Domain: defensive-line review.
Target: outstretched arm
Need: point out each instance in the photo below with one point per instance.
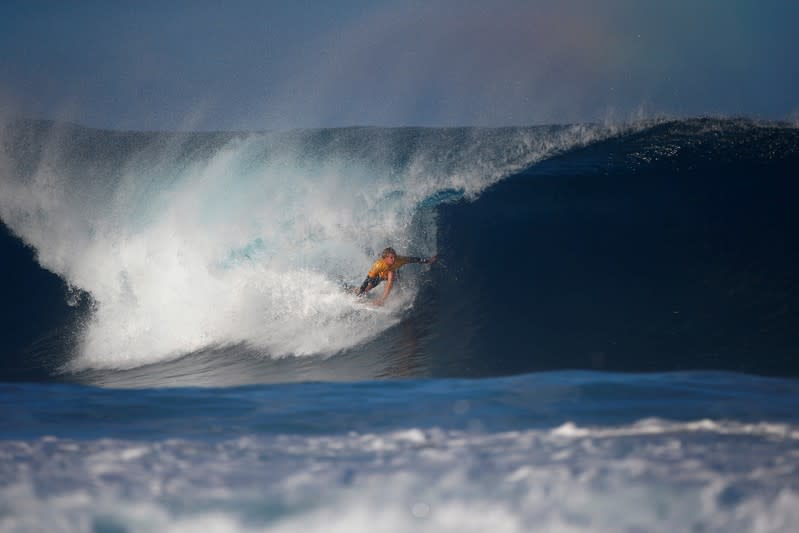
(387, 290)
(421, 260)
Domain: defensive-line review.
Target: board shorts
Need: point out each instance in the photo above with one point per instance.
(371, 283)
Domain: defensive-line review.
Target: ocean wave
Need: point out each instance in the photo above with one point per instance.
(633, 247)
(189, 241)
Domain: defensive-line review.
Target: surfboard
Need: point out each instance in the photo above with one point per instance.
(373, 308)
(346, 287)
(365, 301)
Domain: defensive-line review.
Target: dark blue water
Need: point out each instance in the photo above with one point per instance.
(608, 342)
(618, 257)
(532, 401)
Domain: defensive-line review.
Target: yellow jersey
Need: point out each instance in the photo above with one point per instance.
(381, 269)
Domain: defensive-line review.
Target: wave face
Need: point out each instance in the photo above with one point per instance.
(217, 258)
(670, 248)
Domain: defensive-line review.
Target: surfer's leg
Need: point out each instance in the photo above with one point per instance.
(368, 284)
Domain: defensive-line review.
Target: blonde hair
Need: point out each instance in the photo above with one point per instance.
(387, 252)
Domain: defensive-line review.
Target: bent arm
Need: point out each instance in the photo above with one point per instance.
(387, 290)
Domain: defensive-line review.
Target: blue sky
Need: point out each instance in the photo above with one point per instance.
(267, 65)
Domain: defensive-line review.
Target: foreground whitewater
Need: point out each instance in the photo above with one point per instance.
(569, 451)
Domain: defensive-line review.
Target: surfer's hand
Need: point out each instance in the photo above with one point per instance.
(432, 260)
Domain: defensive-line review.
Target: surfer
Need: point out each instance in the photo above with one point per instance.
(385, 269)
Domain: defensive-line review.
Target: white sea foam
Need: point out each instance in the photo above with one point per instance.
(649, 476)
(245, 244)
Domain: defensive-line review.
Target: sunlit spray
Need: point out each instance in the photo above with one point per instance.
(185, 241)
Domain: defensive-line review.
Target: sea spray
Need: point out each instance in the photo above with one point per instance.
(185, 241)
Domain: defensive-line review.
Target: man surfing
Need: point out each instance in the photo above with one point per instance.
(385, 269)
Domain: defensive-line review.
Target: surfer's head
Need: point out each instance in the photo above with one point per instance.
(389, 255)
